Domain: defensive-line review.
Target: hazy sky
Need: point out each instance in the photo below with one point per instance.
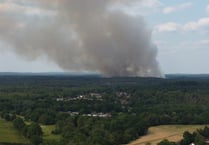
(180, 29)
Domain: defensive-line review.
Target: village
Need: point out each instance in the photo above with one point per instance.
(89, 97)
(123, 98)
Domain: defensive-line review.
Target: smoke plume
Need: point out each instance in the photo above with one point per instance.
(82, 35)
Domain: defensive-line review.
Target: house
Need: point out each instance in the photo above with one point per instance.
(73, 113)
(60, 99)
(96, 95)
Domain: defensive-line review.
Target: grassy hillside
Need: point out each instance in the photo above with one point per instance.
(9, 135)
(170, 132)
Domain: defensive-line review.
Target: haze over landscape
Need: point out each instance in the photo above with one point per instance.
(115, 38)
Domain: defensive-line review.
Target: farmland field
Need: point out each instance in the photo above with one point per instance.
(171, 132)
(9, 135)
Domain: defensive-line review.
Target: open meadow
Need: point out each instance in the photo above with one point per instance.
(171, 132)
(8, 134)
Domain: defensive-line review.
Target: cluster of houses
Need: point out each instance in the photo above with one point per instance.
(101, 115)
(90, 97)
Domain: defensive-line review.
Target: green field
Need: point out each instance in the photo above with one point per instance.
(47, 129)
(8, 134)
(170, 132)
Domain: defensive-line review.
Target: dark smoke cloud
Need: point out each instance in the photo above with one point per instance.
(83, 35)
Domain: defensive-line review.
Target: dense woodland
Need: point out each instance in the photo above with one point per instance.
(128, 106)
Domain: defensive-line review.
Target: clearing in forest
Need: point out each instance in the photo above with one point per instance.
(47, 133)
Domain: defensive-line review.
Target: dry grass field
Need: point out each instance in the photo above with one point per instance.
(170, 132)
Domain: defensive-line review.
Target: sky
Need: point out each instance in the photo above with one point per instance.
(180, 30)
